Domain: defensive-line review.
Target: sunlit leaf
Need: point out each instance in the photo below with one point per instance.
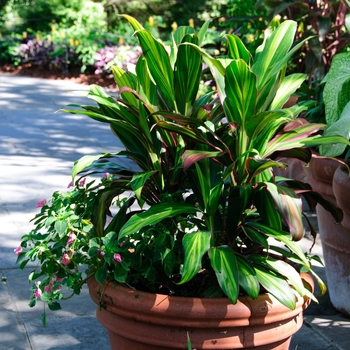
(153, 215)
(224, 263)
(195, 246)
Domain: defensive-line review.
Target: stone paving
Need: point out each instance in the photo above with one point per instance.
(38, 146)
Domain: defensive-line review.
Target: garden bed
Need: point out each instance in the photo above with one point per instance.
(73, 75)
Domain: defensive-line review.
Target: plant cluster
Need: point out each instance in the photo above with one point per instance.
(120, 56)
(191, 206)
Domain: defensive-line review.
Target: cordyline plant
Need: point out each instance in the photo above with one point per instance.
(198, 210)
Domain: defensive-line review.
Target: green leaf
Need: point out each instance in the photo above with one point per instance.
(134, 23)
(247, 277)
(101, 274)
(288, 86)
(54, 305)
(124, 79)
(277, 286)
(153, 215)
(289, 206)
(267, 209)
(282, 268)
(159, 66)
(336, 89)
(224, 263)
(147, 88)
(237, 50)
(240, 88)
(341, 127)
(272, 54)
(203, 31)
(61, 227)
(191, 157)
(187, 74)
(195, 246)
(139, 180)
(85, 162)
(281, 236)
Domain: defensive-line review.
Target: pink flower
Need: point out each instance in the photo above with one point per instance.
(58, 279)
(37, 292)
(18, 250)
(122, 243)
(102, 254)
(48, 288)
(105, 175)
(117, 257)
(72, 238)
(66, 259)
(82, 182)
(41, 203)
(70, 184)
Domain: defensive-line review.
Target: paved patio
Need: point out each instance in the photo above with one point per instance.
(37, 150)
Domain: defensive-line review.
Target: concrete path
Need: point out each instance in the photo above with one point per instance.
(37, 150)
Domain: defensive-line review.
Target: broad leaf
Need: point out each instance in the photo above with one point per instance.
(240, 88)
(277, 286)
(281, 236)
(187, 73)
(289, 206)
(159, 66)
(247, 277)
(139, 180)
(153, 215)
(195, 246)
(288, 86)
(224, 263)
(237, 50)
(341, 127)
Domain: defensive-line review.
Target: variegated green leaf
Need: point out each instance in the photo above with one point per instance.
(195, 246)
(187, 73)
(153, 215)
(277, 286)
(247, 277)
(134, 23)
(158, 63)
(282, 268)
(190, 157)
(139, 180)
(280, 236)
(287, 87)
(267, 208)
(224, 264)
(289, 206)
(237, 50)
(124, 79)
(274, 50)
(85, 161)
(240, 88)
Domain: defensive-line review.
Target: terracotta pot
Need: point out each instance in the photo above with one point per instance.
(143, 321)
(326, 177)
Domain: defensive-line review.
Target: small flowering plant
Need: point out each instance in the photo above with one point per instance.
(64, 245)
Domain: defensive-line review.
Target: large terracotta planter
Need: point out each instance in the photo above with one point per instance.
(326, 177)
(143, 321)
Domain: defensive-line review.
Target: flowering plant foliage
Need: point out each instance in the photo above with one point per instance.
(191, 206)
(120, 56)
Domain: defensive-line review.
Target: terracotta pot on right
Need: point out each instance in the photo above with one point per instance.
(330, 180)
(137, 320)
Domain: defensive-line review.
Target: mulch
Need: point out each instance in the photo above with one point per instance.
(75, 76)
